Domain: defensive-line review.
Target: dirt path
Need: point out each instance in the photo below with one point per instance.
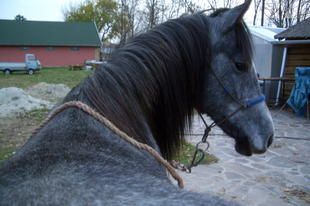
(16, 130)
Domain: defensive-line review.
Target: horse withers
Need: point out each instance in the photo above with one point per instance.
(148, 89)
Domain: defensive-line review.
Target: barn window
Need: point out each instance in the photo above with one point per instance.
(50, 48)
(75, 48)
(24, 48)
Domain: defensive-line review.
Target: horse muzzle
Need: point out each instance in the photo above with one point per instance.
(247, 146)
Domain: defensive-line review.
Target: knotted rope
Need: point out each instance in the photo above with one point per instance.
(117, 131)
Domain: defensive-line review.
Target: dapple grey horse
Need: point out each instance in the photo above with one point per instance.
(148, 89)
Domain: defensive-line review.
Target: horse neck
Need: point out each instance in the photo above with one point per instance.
(153, 80)
(167, 65)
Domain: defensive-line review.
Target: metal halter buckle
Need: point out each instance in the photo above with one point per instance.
(203, 140)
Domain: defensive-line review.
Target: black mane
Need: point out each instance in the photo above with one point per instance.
(155, 78)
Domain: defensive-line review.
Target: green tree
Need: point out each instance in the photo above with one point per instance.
(105, 13)
(20, 18)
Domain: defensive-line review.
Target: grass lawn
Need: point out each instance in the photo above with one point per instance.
(187, 153)
(49, 75)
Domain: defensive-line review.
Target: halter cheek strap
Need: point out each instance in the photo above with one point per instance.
(208, 128)
(243, 106)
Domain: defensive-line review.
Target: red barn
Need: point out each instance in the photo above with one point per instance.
(54, 43)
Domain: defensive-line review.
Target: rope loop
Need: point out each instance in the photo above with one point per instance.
(117, 131)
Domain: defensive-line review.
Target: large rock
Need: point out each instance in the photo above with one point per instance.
(14, 100)
(48, 91)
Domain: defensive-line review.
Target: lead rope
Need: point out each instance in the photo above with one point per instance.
(117, 131)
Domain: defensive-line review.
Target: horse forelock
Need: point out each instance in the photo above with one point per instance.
(154, 79)
(245, 42)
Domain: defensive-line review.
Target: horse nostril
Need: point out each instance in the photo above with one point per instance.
(270, 140)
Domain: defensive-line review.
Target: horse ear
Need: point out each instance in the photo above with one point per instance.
(229, 18)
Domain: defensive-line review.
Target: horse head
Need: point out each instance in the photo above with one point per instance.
(235, 83)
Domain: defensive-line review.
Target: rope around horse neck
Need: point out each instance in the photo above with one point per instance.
(117, 131)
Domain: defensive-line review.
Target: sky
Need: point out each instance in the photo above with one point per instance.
(35, 10)
(50, 10)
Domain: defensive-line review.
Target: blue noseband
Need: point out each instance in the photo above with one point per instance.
(251, 103)
(256, 101)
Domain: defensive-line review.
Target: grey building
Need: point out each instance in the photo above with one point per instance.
(268, 57)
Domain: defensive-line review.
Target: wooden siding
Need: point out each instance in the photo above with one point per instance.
(297, 56)
(97, 54)
(61, 56)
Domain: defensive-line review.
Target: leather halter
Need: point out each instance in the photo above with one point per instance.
(208, 127)
(243, 106)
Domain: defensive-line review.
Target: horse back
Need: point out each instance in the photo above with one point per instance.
(76, 160)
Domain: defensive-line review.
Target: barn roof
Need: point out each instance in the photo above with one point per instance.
(299, 31)
(44, 33)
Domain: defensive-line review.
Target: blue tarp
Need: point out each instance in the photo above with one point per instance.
(300, 91)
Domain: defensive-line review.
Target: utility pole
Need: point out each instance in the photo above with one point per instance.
(122, 20)
(263, 11)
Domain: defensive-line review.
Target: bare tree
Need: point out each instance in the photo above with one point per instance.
(215, 4)
(298, 11)
(132, 11)
(263, 12)
(154, 13)
(145, 14)
(126, 22)
(303, 10)
(191, 7)
(256, 9)
(286, 13)
(175, 8)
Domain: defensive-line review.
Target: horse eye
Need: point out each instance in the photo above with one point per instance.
(241, 66)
